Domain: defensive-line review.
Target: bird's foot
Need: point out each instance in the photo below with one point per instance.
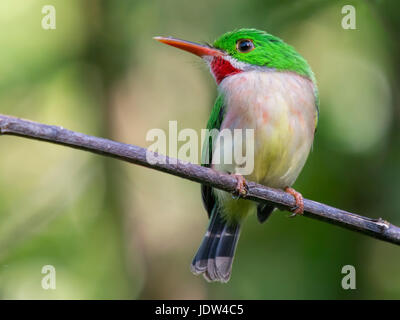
(298, 209)
(241, 187)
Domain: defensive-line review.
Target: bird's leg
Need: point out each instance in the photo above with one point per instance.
(241, 186)
(299, 208)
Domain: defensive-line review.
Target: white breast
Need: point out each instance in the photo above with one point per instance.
(280, 107)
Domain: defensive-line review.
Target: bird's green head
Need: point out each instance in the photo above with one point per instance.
(259, 48)
(244, 50)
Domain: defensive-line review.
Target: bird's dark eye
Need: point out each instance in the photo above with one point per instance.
(244, 45)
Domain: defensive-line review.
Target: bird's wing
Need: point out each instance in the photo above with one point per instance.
(316, 95)
(214, 122)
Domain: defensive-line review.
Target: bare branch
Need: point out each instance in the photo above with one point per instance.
(377, 228)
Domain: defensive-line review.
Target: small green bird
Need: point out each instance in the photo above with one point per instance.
(264, 85)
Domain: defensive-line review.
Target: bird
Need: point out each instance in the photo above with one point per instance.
(265, 85)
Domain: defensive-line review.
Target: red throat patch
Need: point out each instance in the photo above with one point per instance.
(222, 68)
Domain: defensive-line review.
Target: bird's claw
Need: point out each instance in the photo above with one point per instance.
(241, 187)
(298, 209)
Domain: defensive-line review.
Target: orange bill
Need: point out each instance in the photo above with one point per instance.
(192, 47)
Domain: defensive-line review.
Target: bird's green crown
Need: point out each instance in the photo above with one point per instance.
(263, 49)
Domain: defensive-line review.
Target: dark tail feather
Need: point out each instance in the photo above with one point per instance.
(215, 256)
(264, 211)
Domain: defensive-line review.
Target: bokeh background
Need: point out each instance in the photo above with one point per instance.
(118, 231)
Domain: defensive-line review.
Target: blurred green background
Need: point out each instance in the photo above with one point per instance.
(119, 231)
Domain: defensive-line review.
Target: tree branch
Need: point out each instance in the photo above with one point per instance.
(377, 228)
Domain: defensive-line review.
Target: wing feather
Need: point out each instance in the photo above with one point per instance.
(214, 122)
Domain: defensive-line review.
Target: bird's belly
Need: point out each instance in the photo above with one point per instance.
(281, 148)
(280, 107)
